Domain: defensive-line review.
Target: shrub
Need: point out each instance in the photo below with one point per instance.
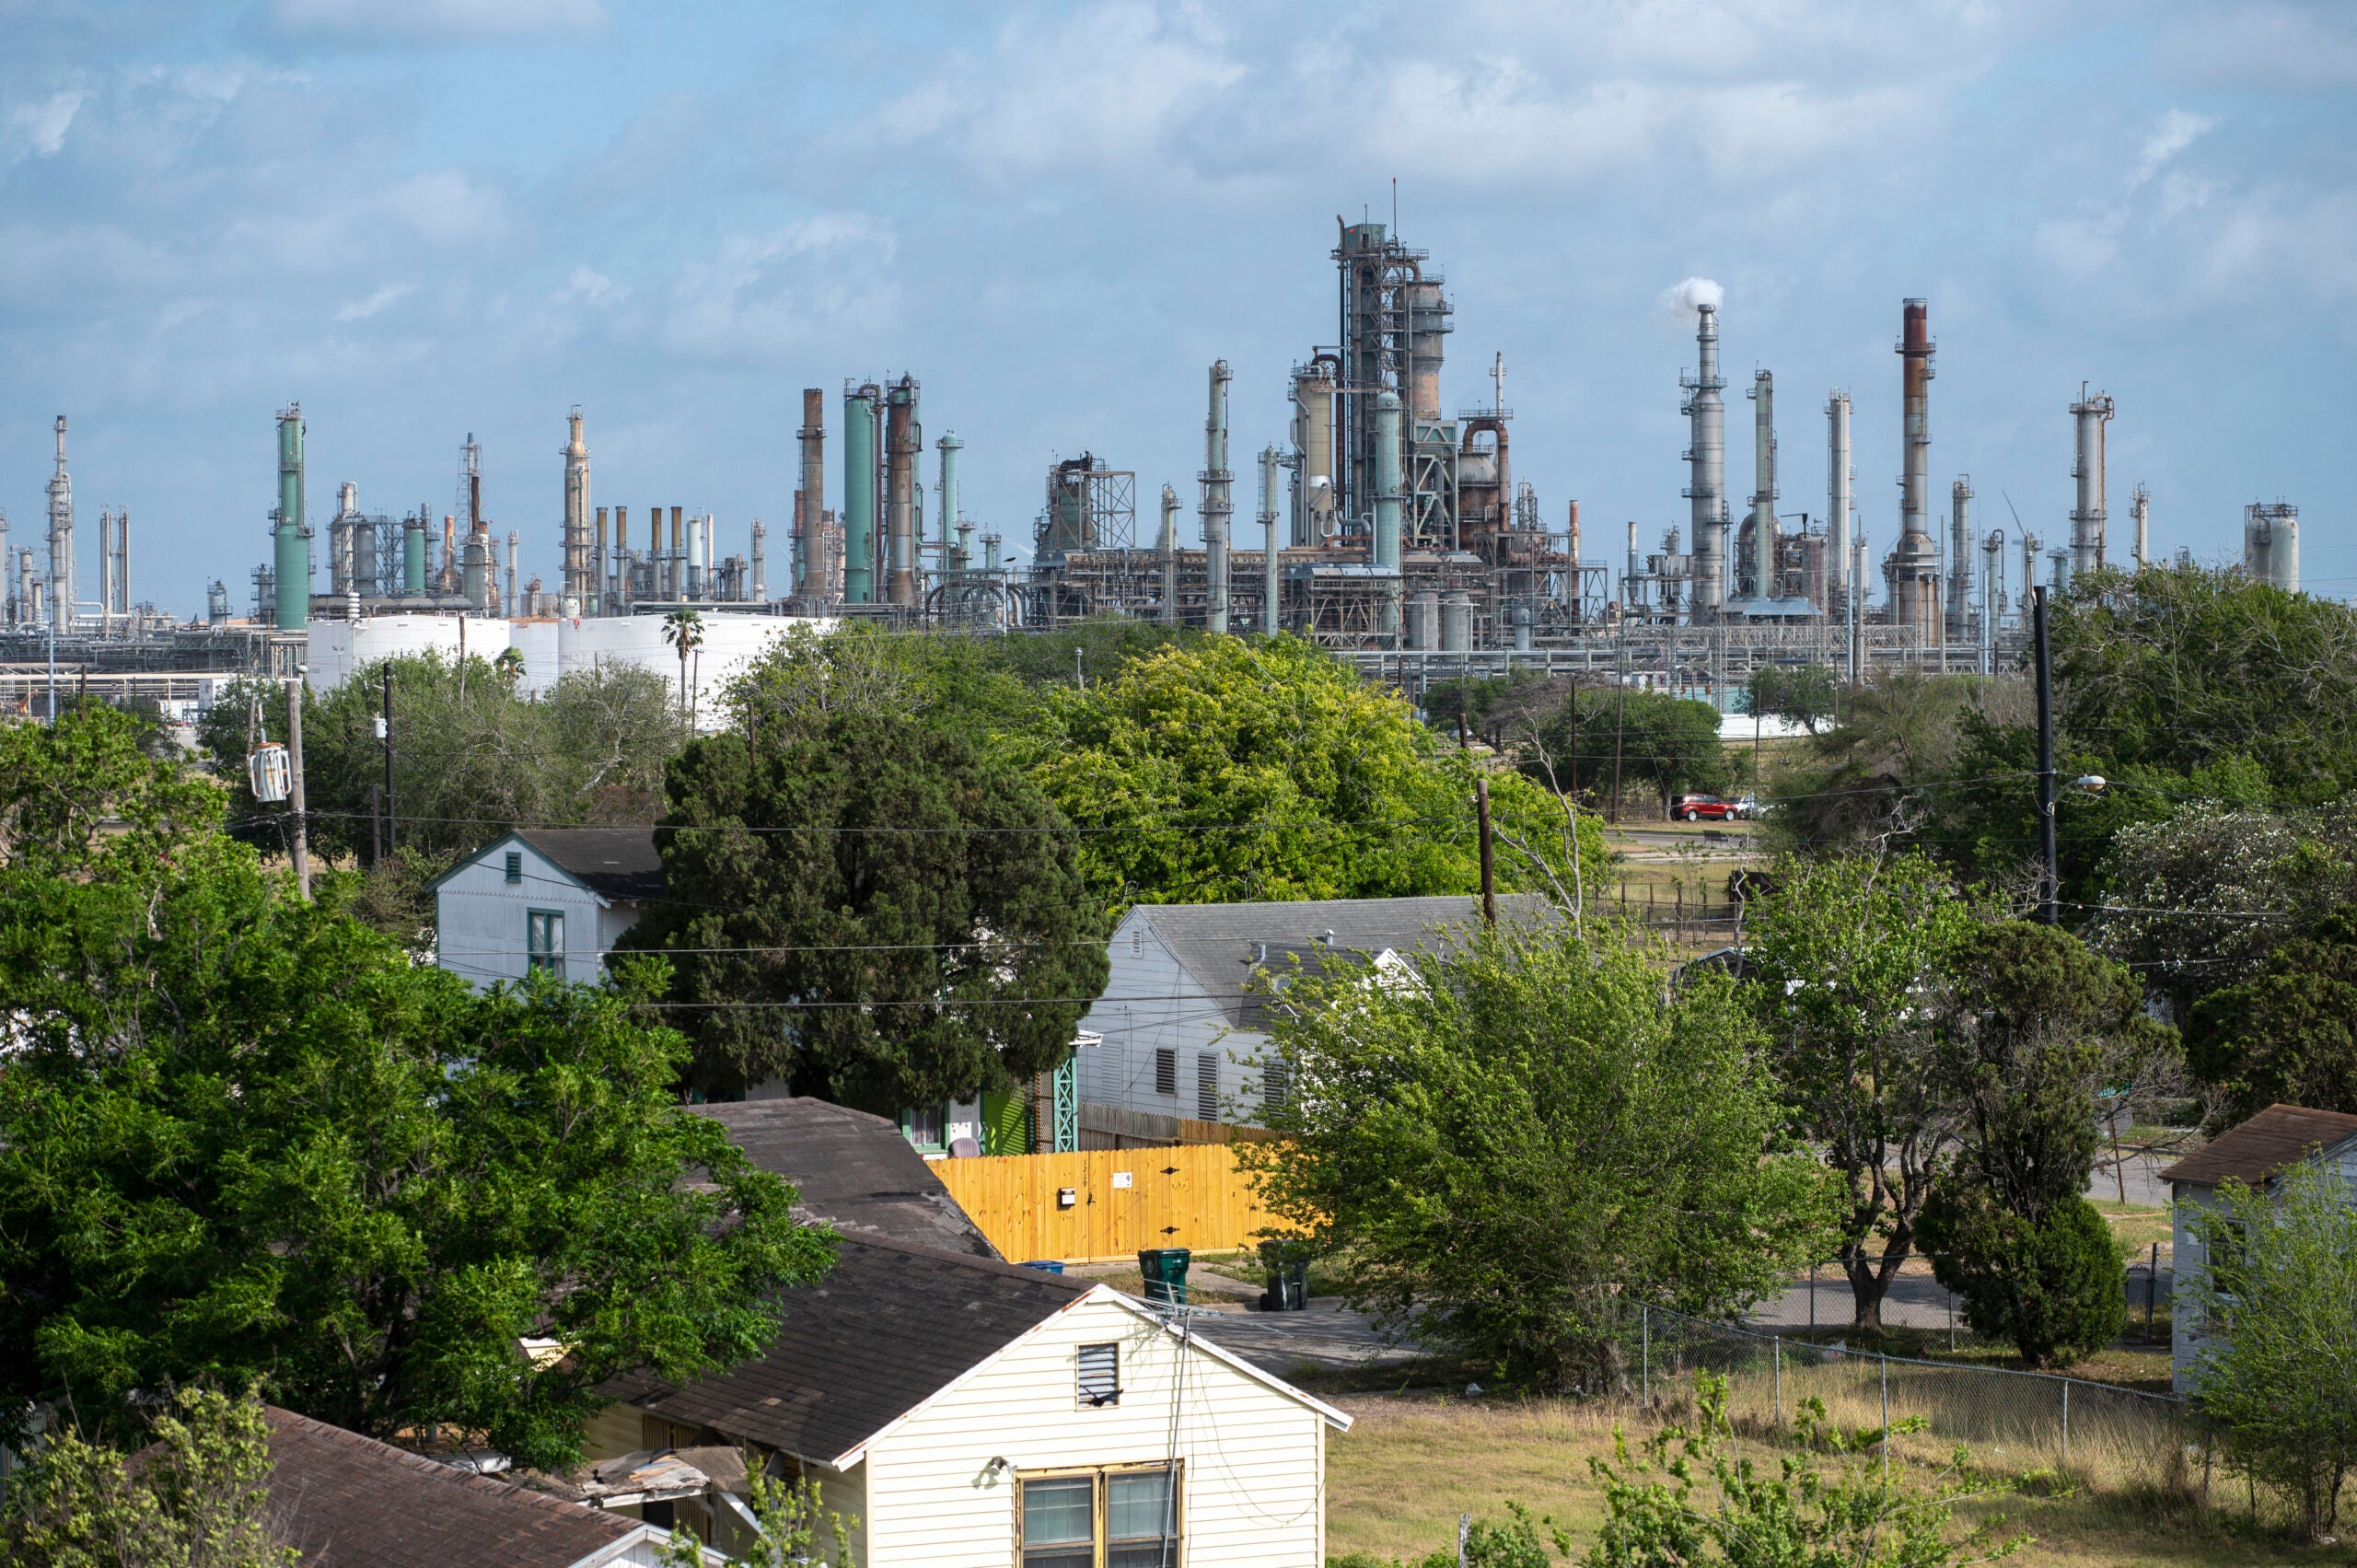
(2051, 1286)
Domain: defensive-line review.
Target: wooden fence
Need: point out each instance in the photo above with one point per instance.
(1122, 1200)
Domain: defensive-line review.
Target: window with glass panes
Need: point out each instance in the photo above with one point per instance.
(545, 939)
(1122, 1517)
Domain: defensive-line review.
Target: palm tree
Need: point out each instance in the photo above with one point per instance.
(509, 665)
(683, 629)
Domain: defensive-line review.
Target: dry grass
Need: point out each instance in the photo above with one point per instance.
(1399, 1477)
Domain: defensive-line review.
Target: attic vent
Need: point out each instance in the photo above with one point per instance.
(1100, 1374)
(1276, 1084)
(1207, 1087)
(515, 865)
(1166, 1072)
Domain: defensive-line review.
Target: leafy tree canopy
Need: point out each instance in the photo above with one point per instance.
(1651, 738)
(247, 1140)
(1512, 1148)
(2287, 1035)
(1806, 694)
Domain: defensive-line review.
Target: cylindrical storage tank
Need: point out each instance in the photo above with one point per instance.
(1457, 623)
(1313, 394)
(859, 496)
(1522, 628)
(1427, 321)
(1423, 622)
(413, 556)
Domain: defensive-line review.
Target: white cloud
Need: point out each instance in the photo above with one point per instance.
(446, 208)
(2284, 44)
(2178, 129)
(361, 310)
(810, 285)
(37, 129)
(432, 21)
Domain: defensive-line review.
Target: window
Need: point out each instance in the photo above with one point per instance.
(1166, 1072)
(1100, 1374)
(1124, 1517)
(544, 940)
(1207, 1087)
(515, 865)
(924, 1127)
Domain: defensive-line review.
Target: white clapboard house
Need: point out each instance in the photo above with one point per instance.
(556, 899)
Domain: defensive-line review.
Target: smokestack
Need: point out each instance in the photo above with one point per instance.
(809, 576)
(903, 441)
(513, 541)
(1269, 540)
(1838, 506)
(1218, 485)
(760, 562)
(2140, 507)
(60, 539)
(291, 552)
(1706, 454)
(1914, 564)
(945, 501)
(1757, 570)
(1959, 611)
(1387, 503)
(1169, 544)
(2090, 415)
(580, 575)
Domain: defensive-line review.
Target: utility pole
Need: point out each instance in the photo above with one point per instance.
(2050, 891)
(294, 782)
(1489, 889)
(385, 733)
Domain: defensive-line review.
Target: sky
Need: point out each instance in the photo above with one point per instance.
(438, 217)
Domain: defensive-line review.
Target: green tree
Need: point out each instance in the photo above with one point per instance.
(794, 1530)
(1881, 772)
(868, 907)
(82, 796)
(1236, 770)
(1670, 743)
(683, 629)
(2288, 1034)
(1692, 1501)
(245, 1139)
(2276, 1382)
(1806, 694)
(1511, 1148)
(1844, 957)
(198, 1498)
(2048, 1282)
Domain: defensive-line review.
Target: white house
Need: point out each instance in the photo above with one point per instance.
(543, 897)
(976, 1414)
(1181, 1023)
(2255, 1153)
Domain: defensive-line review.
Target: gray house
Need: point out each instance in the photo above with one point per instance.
(2256, 1152)
(543, 897)
(1180, 1029)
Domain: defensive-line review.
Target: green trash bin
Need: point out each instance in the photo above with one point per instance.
(1164, 1269)
(1288, 1266)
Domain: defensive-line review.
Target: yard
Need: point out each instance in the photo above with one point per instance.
(1397, 1480)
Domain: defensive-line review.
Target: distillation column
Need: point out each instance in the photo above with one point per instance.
(903, 441)
(947, 498)
(580, 578)
(2089, 414)
(1707, 454)
(2140, 507)
(1167, 542)
(1838, 506)
(1387, 504)
(1313, 437)
(860, 409)
(1268, 461)
(1756, 568)
(1218, 488)
(291, 554)
(1915, 563)
(1959, 608)
(809, 529)
(60, 539)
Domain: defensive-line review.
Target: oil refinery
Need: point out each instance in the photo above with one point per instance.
(1384, 525)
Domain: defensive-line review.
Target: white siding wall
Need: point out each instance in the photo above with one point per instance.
(2188, 1260)
(480, 918)
(1253, 1482)
(1151, 1003)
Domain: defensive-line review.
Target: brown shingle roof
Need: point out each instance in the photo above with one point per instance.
(852, 1169)
(351, 1502)
(2278, 1137)
(888, 1327)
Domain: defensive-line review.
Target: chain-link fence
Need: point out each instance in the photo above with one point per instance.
(2096, 1433)
(1821, 1299)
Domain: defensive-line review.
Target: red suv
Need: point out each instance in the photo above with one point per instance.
(1704, 807)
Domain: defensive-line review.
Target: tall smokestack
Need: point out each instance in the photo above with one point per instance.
(600, 573)
(1268, 461)
(1167, 542)
(1387, 503)
(1837, 504)
(2140, 507)
(1218, 489)
(60, 539)
(903, 441)
(1959, 611)
(580, 578)
(2090, 415)
(1914, 564)
(760, 562)
(291, 550)
(811, 575)
(1707, 453)
(1757, 570)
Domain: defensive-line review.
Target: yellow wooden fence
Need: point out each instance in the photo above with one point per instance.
(1122, 1201)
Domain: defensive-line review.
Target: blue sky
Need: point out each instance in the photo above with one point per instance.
(438, 217)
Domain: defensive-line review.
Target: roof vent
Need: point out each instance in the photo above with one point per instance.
(1326, 937)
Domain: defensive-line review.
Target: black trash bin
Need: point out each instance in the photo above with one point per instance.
(1288, 1266)
(1164, 1269)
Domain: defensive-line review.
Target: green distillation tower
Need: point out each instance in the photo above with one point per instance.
(291, 561)
(860, 409)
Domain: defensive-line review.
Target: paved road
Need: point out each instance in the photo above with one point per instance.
(2143, 1179)
(1914, 1301)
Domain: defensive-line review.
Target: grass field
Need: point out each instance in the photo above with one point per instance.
(1397, 1480)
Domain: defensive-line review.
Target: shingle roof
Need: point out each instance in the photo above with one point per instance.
(1219, 943)
(347, 1501)
(853, 1170)
(888, 1327)
(2251, 1152)
(614, 863)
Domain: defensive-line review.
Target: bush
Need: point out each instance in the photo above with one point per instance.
(2051, 1286)
(1513, 1544)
